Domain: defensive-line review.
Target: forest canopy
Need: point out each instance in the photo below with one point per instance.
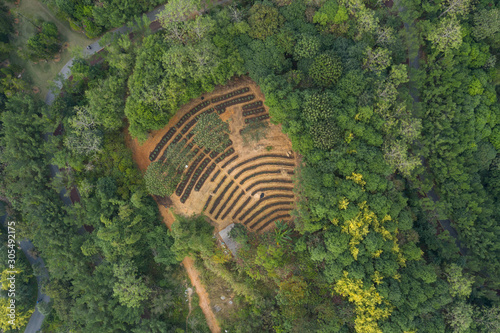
(392, 107)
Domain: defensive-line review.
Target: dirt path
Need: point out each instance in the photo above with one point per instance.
(202, 293)
(188, 263)
(193, 274)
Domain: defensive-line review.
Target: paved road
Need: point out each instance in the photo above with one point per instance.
(36, 319)
(413, 54)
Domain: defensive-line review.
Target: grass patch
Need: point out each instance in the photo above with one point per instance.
(41, 74)
(255, 131)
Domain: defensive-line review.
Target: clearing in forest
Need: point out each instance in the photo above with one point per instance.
(28, 12)
(250, 182)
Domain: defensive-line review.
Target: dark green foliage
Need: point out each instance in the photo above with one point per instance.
(93, 18)
(374, 134)
(106, 102)
(44, 44)
(307, 47)
(264, 21)
(325, 70)
(325, 134)
(6, 27)
(487, 23)
(192, 236)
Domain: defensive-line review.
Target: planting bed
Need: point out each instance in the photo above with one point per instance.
(259, 203)
(254, 119)
(262, 209)
(271, 220)
(221, 196)
(252, 112)
(253, 167)
(221, 108)
(233, 204)
(241, 208)
(220, 184)
(267, 181)
(186, 128)
(207, 203)
(256, 158)
(215, 176)
(253, 175)
(231, 94)
(191, 113)
(229, 162)
(188, 174)
(273, 188)
(204, 177)
(177, 138)
(225, 202)
(252, 105)
(265, 172)
(162, 143)
(219, 159)
(197, 174)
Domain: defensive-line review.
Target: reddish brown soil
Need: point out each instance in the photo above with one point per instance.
(59, 130)
(193, 274)
(74, 196)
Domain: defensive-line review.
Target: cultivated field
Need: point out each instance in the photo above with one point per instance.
(250, 182)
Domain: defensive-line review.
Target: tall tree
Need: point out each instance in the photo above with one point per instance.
(129, 288)
(446, 35)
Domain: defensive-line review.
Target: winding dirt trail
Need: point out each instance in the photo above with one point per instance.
(168, 219)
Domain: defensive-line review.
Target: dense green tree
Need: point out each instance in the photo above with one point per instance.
(486, 23)
(93, 18)
(85, 137)
(192, 236)
(106, 102)
(307, 47)
(376, 60)
(129, 289)
(264, 21)
(7, 20)
(325, 70)
(460, 317)
(44, 44)
(331, 12)
(446, 35)
(160, 242)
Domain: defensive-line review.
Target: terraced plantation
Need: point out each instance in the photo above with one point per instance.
(246, 183)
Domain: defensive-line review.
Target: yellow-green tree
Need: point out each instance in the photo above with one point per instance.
(21, 319)
(370, 306)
